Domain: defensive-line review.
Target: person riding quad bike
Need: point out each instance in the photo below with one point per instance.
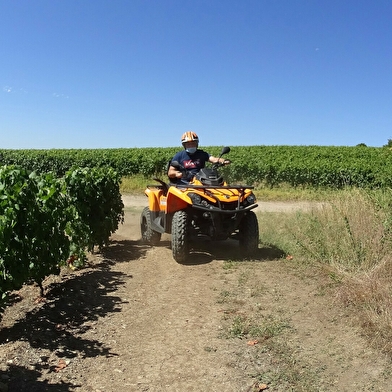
(198, 203)
(191, 158)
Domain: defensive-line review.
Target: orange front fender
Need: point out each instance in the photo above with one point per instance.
(176, 200)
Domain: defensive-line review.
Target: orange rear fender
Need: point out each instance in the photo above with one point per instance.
(153, 198)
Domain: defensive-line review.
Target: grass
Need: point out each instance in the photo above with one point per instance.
(134, 184)
(350, 237)
(259, 329)
(286, 372)
(287, 193)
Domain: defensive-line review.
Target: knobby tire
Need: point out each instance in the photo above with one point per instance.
(249, 234)
(180, 236)
(149, 236)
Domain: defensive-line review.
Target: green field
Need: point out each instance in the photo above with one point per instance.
(261, 166)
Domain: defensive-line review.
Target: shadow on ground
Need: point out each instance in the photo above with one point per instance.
(25, 380)
(125, 250)
(59, 322)
(204, 252)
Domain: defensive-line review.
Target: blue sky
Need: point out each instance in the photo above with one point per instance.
(139, 73)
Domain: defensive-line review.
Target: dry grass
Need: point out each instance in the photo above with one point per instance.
(370, 293)
(351, 236)
(348, 233)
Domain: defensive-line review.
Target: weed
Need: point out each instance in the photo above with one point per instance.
(229, 265)
(239, 327)
(224, 297)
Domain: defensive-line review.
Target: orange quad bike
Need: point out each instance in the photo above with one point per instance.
(206, 207)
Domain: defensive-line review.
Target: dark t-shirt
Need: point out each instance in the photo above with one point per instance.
(191, 162)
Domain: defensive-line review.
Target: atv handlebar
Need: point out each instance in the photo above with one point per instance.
(220, 164)
(180, 168)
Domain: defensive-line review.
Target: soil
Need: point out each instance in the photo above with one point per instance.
(135, 320)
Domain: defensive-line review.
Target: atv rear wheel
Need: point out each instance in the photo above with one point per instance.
(249, 234)
(149, 236)
(180, 236)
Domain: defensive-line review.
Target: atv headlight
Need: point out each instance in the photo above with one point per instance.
(196, 199)
(251, 199)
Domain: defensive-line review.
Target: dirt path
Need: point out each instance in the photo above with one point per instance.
(135, 320)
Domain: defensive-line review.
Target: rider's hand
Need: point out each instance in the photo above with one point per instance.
(226, 162)
(178, 174)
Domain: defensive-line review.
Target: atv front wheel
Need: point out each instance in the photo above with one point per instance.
(148, 234)
(180, 236)
(249, 234)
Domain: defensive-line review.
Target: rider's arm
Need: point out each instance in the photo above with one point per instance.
(173, 172)
(220, 160)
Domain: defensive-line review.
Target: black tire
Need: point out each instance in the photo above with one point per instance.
(249, 234)
(149, 236)
(180, 236)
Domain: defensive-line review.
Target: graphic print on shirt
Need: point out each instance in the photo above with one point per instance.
(190, 164)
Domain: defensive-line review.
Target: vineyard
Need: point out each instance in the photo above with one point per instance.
(297, 166)
(47, 221)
